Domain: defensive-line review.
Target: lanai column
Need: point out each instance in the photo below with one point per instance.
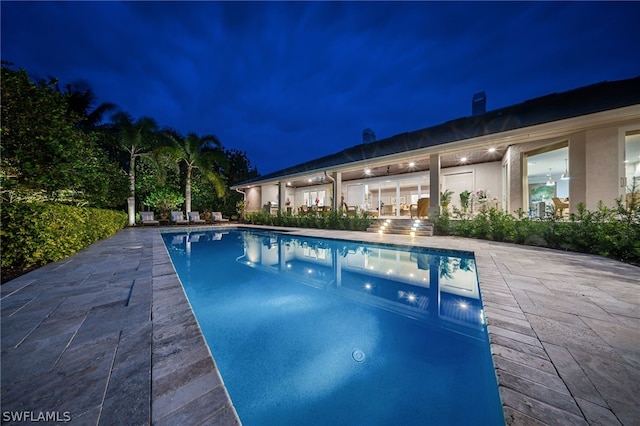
(434, 185)
(337, 176)
(282, 196)
(578, 181)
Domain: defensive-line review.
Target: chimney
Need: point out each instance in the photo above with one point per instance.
(368, 136)
(479, 104)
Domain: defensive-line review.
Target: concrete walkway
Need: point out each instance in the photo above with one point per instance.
(108, 337)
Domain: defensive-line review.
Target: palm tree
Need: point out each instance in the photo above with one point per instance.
(138, 138)
(203, 153)
(82, 101)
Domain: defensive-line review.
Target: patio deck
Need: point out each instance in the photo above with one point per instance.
(107, 336)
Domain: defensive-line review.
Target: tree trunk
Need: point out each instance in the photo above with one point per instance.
(132, 190)
(187, 191)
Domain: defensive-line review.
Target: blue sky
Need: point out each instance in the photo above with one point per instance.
(288, 82)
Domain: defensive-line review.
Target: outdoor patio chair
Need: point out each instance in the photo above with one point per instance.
(560, 205)
(194, 217)
(217, 217)
(177, 218)
(422, 209)
(146, 218)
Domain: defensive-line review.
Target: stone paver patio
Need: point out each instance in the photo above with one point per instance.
(107, 336)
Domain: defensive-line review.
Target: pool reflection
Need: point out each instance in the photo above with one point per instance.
(435, 287)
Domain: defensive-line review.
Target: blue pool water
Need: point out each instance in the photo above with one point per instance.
(326, 332)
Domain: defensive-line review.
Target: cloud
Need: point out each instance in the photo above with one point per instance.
(290, 81)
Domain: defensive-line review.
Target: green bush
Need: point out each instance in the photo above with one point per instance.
(34, 234)
(610, 232)
(164, 199)
(332, 220)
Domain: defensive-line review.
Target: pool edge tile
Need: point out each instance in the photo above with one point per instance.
(194, 389)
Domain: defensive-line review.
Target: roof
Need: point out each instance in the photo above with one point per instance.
(585, 100)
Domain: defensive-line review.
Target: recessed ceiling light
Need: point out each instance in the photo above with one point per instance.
(412, 164)
(367, 171)
(463, 159)
(492, 149)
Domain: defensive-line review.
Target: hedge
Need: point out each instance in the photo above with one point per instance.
(332, 220)
(34, 234)
(609, 232)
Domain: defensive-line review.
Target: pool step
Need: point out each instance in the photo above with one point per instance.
(402, 226)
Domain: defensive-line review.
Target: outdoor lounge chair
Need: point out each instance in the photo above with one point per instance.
(194, 217)
(146, 218)
(217, 217)
(177, 218)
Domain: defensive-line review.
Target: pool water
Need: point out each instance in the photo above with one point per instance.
(326, 332)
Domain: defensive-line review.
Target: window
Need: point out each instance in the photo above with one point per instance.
(632, 161)
(312, 198)
(547, 177)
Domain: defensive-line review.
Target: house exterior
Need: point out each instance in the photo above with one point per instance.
(579, 146)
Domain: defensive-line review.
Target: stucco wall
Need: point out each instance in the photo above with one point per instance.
(602, 167)
(577, 171)
(253, 199)
(488, 177)
(270, 193)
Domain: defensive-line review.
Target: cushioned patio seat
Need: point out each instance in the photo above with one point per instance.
(177, 218)
(194, 217)
(146, 218)
(217, 217)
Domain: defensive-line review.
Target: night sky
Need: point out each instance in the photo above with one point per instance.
(290, 82)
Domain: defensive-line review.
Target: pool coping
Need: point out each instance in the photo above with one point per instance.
(563, 330)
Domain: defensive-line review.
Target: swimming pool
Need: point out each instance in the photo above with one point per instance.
(327, 332)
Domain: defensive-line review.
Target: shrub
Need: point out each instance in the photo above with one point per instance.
(332, 220)
(613, 233)
(164, 199)
(442, 224)
(34, 234)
